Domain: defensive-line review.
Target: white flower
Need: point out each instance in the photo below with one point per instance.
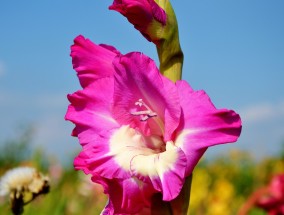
(22, 179)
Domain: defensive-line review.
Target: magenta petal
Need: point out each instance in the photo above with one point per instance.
(91, 61)
(276, 186)
(164, 168)
(127, 196)
(96, 159)
(137, 77)
(141, 13)
(273, 199)
(165, 171)
(90, 109)
(90, 112)
(202, 125)
(172, 181)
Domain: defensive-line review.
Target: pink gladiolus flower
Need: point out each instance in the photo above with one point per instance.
(141, 133)
(273, 199)
(146, 16)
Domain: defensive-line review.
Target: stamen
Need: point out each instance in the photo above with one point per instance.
(144, 114)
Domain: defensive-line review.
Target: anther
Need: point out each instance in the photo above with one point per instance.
(144, 114)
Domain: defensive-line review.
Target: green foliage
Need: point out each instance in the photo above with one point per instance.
(16, 150)
(228, 181)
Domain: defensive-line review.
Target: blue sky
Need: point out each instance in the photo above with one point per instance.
(234, 50)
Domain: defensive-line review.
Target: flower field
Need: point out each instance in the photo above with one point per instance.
(223, 185)
(220, 186)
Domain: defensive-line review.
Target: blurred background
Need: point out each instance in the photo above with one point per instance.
(234, 50)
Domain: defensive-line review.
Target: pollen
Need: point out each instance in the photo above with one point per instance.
(144, 114)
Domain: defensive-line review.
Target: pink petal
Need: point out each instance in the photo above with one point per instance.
(92, 61)
(110, 153)
(137, 77)
(126, 197)
(203, 125)
(276, 186)
(135, 154)
(166, 170)
(95, 158)
(90, 109)
(141, 13)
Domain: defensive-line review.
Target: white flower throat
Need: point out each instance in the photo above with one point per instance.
(144, 114)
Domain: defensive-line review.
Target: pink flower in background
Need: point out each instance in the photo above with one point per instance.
(146, 16)
(273, 199)
(140, 132)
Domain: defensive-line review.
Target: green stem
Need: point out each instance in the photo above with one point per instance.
(17, 203)
(169, 50)
(171, 60)
(180, 205)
